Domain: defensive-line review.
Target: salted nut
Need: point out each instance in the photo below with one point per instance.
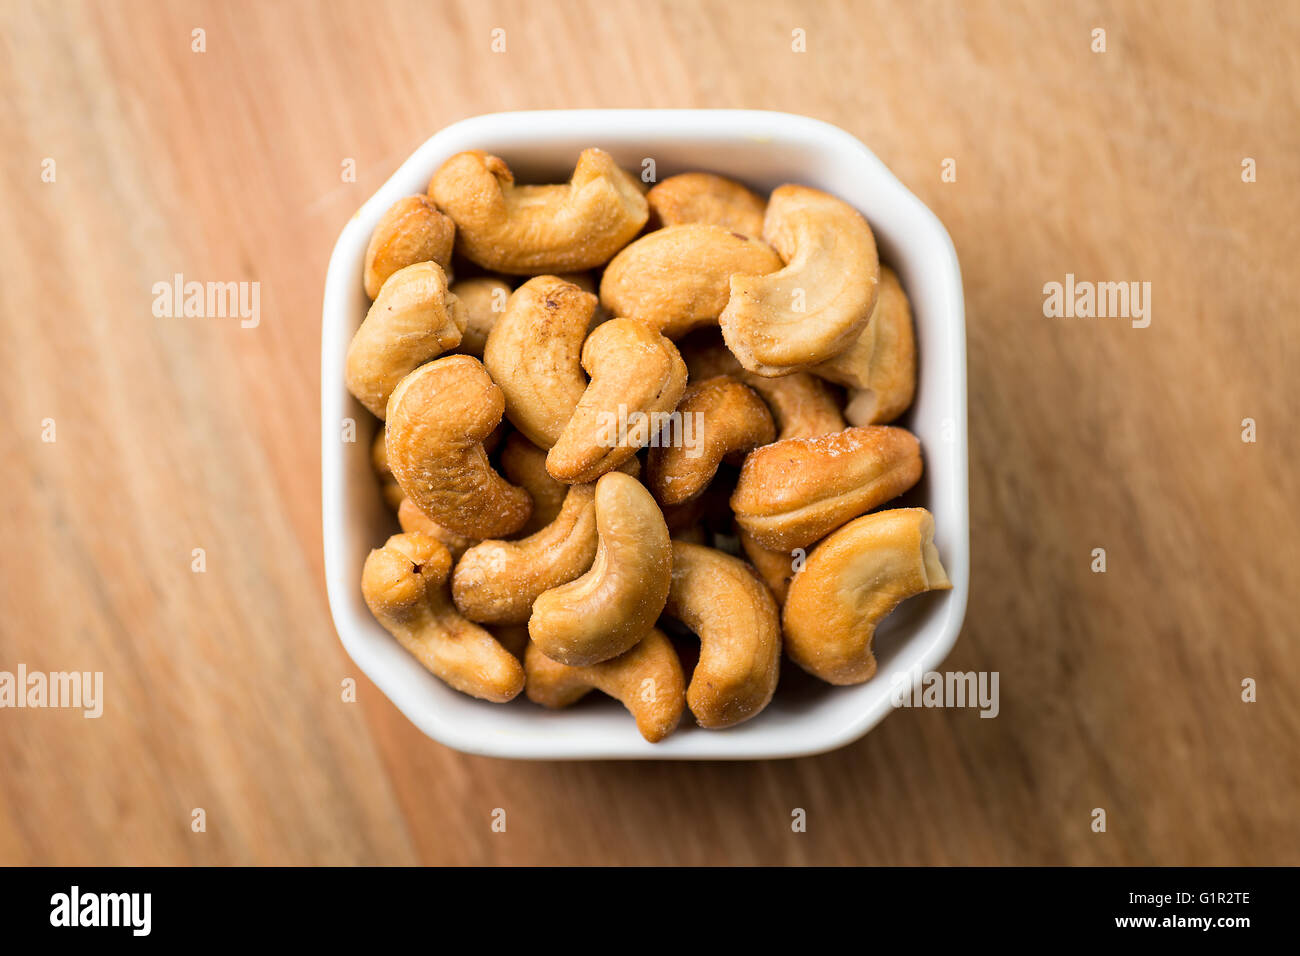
(496, 582)
(530, 230)
(802, 404)
(708, 198)
(414, 319)
(733, 614)
(816, 306)
(611, 607)
(791, 493)
(880, 366)
(852, 580)
(524, 464)
(404, 584)
(388, 485)
(438, 418)
(484, 300)
(411, 231)
(535, 354)
(678, 278)
(731, 420)
(647, 680)
(637, 378)
(415, 521)
(776, 568)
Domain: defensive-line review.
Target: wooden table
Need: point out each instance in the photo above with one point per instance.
(1120, 690)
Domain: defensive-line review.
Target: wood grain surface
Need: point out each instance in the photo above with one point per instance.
(1119, 690)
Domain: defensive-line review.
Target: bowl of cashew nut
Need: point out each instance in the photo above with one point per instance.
(644, 436)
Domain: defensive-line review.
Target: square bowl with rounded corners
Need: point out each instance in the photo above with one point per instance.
(763, 150)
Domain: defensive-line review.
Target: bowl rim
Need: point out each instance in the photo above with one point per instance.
(526, 127)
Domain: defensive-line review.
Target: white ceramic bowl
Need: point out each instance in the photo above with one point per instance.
(764, 150)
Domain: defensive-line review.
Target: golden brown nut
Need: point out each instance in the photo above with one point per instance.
(411, 231)
(388, 485)
(794, 492)
(647, 680)
(534, 353)
(514, 638)
(733, 613)
(496, 582)
(404, 584)
(802, 405)
(852, 580)
(438, 418)
(705, 197)
(611, 607)
(530, 230)
(678, 278)
(720, 419)
(637, 378)
(776, 568)
(524, 464)
(816, 306)
(484, 301)
(414, 320)
(415, 521)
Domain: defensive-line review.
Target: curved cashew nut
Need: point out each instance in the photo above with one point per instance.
(496, 582)
(529, 230)
(411, 231)
(484, 300)
(534, 354)
(727, 420)
(802, 405)
(414, 319)
(438, 418)
(647, 680)
(415, 521)
(611, 607)
(705, 197)
(388, 485)
(776, 568)
(637, 378)
(852, 580)
(820, 302)
(524, 464)
(404, 584)
(719, 598)
(794, 492)
(678, 278)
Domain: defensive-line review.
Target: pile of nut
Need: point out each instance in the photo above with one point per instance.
(573, 470)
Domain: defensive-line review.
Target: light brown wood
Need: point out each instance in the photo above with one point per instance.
(1119, 690)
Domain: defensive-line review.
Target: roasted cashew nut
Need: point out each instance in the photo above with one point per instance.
(404, 584)
(776, 568)
(415, 521)
(647, 680)
(388, 485)
(414, 320)
(484, 301)
(732, 612)
(724, 419)
(852, 580)
(880, 366)
(535, 354)
(438, 418)
(678, 278)
(816, 306)
(637, 378)
(611, 607)
(530, 230)
(524, 464)
(707, 198)
(411, 231)
(791, 493)
(802, 405)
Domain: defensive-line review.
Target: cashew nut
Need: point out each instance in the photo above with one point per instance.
(637, 378)
(414, 319)
(529, 230)
(852, 580)
(776, 568)
(678, 278)
(534, 354)
(731, 419)
(404, 584)
(647, 680)
(524, 464)
(484, 300)
(388, 485)
(705, 197)
(496, 582)
(793, 492)
(732, 612)
(611, 607)
(815, 307)
(438, 418)
(415, 521)
(802, 405)
(411, 231)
